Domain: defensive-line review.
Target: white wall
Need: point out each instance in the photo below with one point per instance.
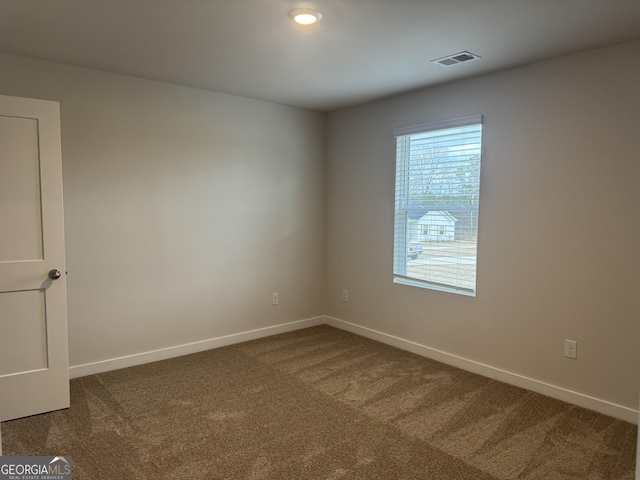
(559, 230)
(184, 209)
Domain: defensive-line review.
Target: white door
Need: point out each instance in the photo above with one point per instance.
(34, 364)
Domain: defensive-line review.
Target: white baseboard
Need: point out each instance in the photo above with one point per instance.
(602, 406)
(200, 346)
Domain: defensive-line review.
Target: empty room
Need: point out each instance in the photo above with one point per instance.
(279, 239)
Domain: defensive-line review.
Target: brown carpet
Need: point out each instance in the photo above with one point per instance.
(319, 403)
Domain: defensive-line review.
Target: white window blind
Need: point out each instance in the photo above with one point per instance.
(437, 203)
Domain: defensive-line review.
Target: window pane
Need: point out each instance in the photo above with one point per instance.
(437, 198)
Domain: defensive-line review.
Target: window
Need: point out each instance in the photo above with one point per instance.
(437, 200)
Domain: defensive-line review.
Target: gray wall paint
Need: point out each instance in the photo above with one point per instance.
(559, 229)
(184, 209)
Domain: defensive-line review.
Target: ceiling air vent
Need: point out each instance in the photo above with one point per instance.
(455, 59)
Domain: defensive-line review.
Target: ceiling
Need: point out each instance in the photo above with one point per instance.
(360, 51)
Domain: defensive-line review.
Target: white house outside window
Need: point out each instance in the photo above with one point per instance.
(437, 204)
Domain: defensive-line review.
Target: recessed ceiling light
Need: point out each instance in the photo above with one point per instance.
(305, 16)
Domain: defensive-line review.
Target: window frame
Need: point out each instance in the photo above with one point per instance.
(401, 197)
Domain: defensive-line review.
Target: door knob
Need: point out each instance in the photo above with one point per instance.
(54, 274)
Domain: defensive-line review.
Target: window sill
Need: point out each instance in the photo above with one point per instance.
(432, 286)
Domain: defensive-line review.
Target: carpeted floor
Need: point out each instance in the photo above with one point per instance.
(319, 403)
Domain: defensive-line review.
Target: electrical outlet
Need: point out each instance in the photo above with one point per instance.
(571, 349)
(345, 295)
(275, 299)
